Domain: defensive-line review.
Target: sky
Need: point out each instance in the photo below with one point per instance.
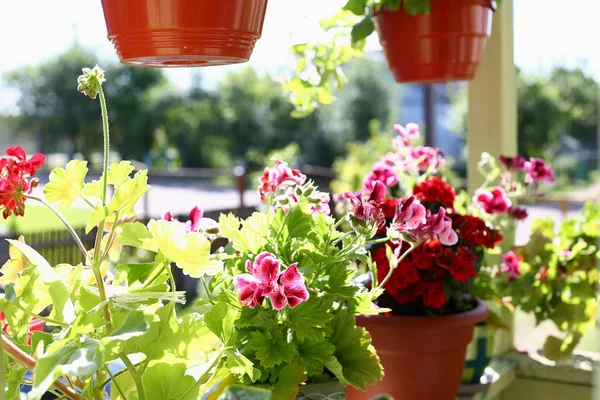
(547, 33)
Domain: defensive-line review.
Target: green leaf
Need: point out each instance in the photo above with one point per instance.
(271, 352)
(75, 359)
(167, 381)
(229, 226)
(66, 185)
(354, 352)
(363, 29)
(314, 355)
(295, 224)
(415, 7)
(135, 324)
(308, 320)
(139, 272)
(93, 189)
(552, 348)
(254, 232)
(132, 234)
(119, 173)
(239, 392)
(220, 320)
(127, 195)
(288, 380)
(356, 6)
(238, 364)
(62, 305)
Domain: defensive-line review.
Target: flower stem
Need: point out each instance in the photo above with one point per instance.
(66, 224)
(105, 130)
(102, 292)
(115, 383)
(136, 377)
(391, 271)
(30, 362)
(45, 319)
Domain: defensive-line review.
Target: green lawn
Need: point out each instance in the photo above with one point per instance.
(39, 218)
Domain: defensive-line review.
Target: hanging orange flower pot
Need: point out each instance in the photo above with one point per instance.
(184, 33)
(446, 44)
(423, 357)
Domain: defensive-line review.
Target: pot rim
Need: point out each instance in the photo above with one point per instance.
(471, 317)
(492, 4)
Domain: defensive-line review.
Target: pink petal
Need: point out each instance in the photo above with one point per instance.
(266, 268)
(291, 276)
(379, 191)
(249, 290)
(278, 299)
(195, 217)
(167, 216)
(295, 295)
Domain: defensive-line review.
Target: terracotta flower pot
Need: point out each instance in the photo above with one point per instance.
(184, 33)
(423, 357)
(445, 45)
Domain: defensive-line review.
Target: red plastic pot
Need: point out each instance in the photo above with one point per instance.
(445, 45)
(184, 33)
(423, 357)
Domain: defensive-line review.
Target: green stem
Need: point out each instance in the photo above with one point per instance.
(154, 277)
(105, 131)
(208, 292)
(136, 377)
(45, 319)
(102, 291)
(118, 374)
(391, 271)
(115, 383)
(377, 241)
(111, 238)
(66, 224)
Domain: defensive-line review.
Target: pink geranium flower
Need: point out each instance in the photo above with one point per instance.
(513, 163)
(276, 176)
(197, 222)
(537, 170)
(495, 201)
(265, 280)
(382, 173)
(405, 135)
(425, 158)
(410, 214)
(440, 225)
(510, 266)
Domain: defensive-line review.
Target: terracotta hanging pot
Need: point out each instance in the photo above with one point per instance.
(423, 357)
(184, 33)
(446, 44)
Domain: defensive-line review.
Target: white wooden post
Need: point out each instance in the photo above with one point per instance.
(493, 116)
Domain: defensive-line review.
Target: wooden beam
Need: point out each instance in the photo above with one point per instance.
(492, 118)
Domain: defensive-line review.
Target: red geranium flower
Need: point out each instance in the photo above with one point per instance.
(435, 191)
(16, 172)
(35, 325)
(433, 295)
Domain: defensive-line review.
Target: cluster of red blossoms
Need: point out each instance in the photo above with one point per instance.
(423, 274)
(16, 179)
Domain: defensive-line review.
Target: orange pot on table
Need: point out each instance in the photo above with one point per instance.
(423, 357)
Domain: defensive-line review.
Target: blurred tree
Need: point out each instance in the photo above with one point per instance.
(565, 102)
(51, 109)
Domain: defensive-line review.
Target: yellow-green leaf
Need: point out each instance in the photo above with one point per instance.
(66, 185)
(119, 173)
(93, 189)
(128, 194)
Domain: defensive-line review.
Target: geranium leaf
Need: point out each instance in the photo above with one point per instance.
(288, 380)
(132, 234)
(127, 194)
(62, 305)
(93, 189)
(167, 381)
(240, 365)
(75, 359)
(119, 173)
(313, 355)
(239, 392)
(134, 325)
(194, 256)
(308, 320)
(14, 265)
(220, 320)
(354, 352)
(271, 352)
(66, 185)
